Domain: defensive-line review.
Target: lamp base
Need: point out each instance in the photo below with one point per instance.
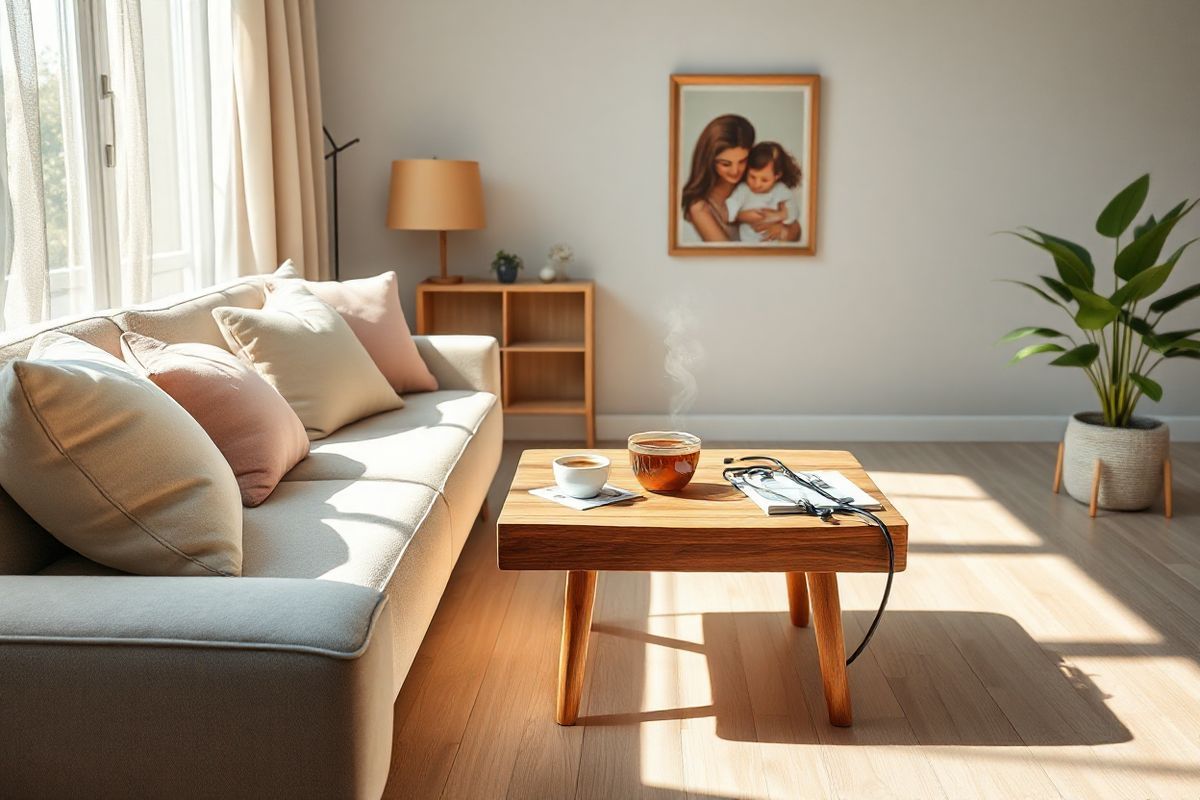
(444, 280)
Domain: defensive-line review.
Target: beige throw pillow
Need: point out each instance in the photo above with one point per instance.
(113, 467)
(371, 307)
(304, 348)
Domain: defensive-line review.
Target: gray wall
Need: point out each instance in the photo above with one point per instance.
(941, 123)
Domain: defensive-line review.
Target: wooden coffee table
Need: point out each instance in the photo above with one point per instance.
(707, 527)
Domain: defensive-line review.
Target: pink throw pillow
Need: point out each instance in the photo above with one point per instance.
(252, 425)
(371, 307)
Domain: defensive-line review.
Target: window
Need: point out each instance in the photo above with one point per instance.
(106, 168)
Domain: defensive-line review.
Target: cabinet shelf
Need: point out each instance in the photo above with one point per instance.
(544, 347)
(546, 336)
(546, 407)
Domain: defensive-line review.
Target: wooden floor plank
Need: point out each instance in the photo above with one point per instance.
(438, 694)
(1028, 651)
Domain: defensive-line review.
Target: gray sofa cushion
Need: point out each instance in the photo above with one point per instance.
(189, 687)
(348, 531)
(420, 442)
(389, 535)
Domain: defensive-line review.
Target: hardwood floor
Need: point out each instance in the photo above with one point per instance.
(1028, 651)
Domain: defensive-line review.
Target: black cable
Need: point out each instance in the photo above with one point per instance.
(839, 507)
(887, 587)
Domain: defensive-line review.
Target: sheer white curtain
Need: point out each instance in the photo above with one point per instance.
(26, 269)
(132, 162)
(204, 161)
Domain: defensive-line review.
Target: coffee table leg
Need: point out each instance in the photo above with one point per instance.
(797, 599)
(577, 623)
(831, 645)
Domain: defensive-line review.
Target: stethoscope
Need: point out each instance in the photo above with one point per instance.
(755, 476)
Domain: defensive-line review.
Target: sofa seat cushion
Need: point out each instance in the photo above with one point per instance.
(349, 531)
(421, 442)
(389, 535)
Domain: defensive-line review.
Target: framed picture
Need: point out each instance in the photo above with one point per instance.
(743, 165)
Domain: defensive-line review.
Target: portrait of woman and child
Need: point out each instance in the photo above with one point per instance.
(742, 187)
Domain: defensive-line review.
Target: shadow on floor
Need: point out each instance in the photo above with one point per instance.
(961, 678)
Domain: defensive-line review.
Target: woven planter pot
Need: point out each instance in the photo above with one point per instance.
(1132, 461)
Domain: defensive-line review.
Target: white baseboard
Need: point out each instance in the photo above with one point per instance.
(820, 428)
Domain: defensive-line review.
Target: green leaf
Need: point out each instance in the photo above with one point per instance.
(1186, 344)
(1081, 356)
(1071, 267)
(1173, 301)
(1138, 324)
(1142, 285)
(1171, 337)
(1148, 282)
(1080, 251)
(1021, 333)
(1035, 290)
(1122, 209)
(1150, 222)
(1142, 252)
(1058, 287)
(1034, 349)
(1182, 354)
(1149, 387)
(1095, 312)
(1160, 343)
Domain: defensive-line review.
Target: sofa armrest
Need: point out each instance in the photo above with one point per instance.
(462, 362)
(236, 687)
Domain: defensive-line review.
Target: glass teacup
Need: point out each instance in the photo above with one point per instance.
(664, 461)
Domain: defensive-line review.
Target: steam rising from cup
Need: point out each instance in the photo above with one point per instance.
(683, 354)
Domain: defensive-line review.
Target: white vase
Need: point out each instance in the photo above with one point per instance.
(548, 274)
(1131, 461)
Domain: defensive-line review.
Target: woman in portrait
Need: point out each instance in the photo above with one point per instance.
(718, 166)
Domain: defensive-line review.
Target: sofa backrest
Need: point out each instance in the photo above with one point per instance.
(25, 547)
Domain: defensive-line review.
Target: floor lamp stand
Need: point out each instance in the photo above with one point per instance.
(332, 156)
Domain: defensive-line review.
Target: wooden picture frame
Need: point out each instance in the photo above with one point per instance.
(771, 121)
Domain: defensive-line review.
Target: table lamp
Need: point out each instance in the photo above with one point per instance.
(430, 194)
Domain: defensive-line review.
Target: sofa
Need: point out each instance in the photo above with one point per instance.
(279, 683)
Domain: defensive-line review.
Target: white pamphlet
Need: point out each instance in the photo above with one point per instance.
(609, 494)
(778, 494)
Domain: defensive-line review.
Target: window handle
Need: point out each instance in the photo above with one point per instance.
(106, 93)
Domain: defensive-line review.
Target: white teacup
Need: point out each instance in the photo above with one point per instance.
(581, 475)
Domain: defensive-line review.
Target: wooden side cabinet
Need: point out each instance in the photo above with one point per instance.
(546, 333)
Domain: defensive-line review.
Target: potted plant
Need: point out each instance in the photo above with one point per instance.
(1118, 346)
(506, 266)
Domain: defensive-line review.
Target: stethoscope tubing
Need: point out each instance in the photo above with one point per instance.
(824, 512)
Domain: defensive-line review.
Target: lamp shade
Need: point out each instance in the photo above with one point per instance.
(429, 194)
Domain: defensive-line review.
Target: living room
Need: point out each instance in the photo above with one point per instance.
(321, 321)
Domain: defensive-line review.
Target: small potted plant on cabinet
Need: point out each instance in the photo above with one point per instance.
(1111, 458)
(506, 266)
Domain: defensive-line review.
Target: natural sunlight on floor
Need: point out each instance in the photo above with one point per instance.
(975, 565)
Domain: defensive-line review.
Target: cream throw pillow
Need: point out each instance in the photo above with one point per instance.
(113, 467)
(304, 348)
(371, 307)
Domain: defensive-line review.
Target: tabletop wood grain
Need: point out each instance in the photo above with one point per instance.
(708, 526)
